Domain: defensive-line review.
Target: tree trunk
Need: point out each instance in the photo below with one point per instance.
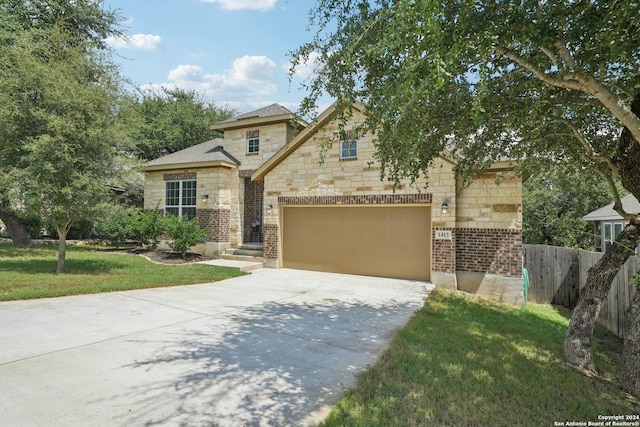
(630, 373)
(19, 235)
(577, 344)
(62, 247)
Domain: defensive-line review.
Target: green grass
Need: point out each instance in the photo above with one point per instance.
(30, 273)
(464, 361)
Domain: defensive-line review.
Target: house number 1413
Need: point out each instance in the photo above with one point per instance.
(443, 234)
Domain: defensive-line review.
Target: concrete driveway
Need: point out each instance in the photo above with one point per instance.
(273, 348)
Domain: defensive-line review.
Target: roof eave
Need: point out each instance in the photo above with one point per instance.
(257, 121)
(192, 165)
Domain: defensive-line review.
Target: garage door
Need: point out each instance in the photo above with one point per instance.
(386, 241)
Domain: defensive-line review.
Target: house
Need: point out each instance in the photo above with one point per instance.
(608, 224)
(264, 181)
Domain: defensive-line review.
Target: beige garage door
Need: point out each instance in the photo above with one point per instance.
(386, 241)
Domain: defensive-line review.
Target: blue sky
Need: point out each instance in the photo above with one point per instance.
(233, 52)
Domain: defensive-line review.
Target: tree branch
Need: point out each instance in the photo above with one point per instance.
(591, 152)
(613, 103)
(552, 56)
(540, 74)
(581, 81)
(566, 55)
(617, 202)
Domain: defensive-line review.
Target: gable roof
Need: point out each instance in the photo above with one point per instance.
(605, 213)
(323, 119)
(301, 138)
(274, 113)
(209, 153)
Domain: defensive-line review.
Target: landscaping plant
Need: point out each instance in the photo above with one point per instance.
(184, 233)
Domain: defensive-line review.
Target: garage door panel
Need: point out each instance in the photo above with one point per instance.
(379, 241)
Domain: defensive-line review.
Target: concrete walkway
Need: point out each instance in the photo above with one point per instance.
(273, 348)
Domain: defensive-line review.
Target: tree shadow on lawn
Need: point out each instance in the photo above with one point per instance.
(72, 266)
(273, 364)
(465, 364)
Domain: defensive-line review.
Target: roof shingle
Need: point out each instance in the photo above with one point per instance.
(209, 151)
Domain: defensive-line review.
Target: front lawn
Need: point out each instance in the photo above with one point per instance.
(463, 361)
(30, 273)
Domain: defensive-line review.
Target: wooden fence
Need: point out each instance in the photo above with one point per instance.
(557, 275)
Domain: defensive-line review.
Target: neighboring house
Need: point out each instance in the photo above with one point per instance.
(608, 224)
(265, 182)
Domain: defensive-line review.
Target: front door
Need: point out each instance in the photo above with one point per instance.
(253, 194)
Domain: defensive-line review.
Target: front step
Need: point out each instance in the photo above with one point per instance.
(252, 252)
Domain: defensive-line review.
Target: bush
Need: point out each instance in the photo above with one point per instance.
(147, 226)
(32, 222)
(117, 226)
(184, 233)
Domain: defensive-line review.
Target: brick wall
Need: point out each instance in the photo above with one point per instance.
(253, 191)
(216, 223)
(270, 241)
(365, 199)
(444, 252)
(489, 250)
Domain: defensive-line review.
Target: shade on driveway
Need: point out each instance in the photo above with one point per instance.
(272, 348)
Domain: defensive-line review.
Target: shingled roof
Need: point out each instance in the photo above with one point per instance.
(629, 203)
(274, 113)
(209, 153)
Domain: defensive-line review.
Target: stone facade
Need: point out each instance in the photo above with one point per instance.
(233, 199)
(480, 234)
(487, 213)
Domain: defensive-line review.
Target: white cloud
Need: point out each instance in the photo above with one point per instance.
(148, 42)
(263, 5)
(249, 80)
(305, 69)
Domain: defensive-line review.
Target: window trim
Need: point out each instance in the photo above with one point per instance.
(610, 231)
(252, 151)
(348, 137)
(181, 190)
(253, 142)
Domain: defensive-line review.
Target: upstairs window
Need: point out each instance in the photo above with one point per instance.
(253, 142)
(180, 198)
(348, 145)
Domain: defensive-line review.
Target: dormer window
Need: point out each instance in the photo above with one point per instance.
(348, 145)
(253, 142)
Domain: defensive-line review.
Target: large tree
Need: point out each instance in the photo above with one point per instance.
(539, 81)
(167, 120)
(86, 22)
(58, 103)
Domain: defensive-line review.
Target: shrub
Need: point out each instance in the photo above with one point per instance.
(184, 233)
(118, 224)
(32, 222)
(147, 226)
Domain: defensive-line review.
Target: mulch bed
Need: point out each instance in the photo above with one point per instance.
(165, 256)
(169, 257)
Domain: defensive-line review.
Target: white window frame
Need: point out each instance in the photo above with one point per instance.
(348, 146)
(614, 230)
(253, 142)
(181, 206)
(253, 146)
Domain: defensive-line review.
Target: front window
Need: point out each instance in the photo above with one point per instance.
(611, 231)
(348, 146)
(253, 142)
(181, 198)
